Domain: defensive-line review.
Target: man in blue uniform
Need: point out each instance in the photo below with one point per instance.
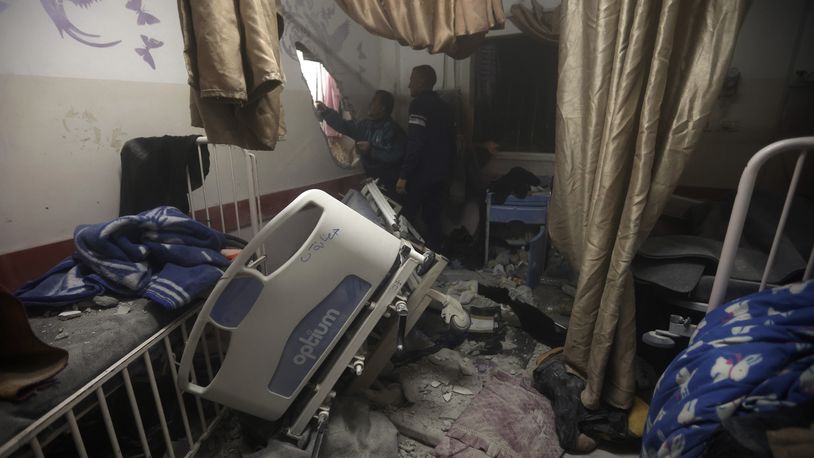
(379, 140)
(425, 172)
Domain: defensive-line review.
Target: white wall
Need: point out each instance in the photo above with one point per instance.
(66, 108)
(764, 54)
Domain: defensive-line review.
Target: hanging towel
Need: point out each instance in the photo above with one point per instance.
(232, 53)
(160, 254)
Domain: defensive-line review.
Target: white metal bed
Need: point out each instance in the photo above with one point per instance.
(226, 188)
(679, 325)
(746, 186)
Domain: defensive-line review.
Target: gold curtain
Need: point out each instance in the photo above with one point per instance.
(542, 25)
(453, 27)
(637, 80)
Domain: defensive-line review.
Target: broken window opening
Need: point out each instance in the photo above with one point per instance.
(324, 88)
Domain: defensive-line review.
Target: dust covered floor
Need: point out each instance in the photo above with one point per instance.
(422, 393)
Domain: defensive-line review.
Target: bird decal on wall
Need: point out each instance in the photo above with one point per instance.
(56, 11)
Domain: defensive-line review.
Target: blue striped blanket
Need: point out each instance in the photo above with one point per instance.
(754, 354)
(161, 254)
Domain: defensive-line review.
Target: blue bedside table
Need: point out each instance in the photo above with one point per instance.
(533, 210)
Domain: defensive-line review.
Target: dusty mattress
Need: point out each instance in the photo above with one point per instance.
(95, 340)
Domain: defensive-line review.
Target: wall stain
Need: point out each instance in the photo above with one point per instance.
(83, 126)
(117, 138)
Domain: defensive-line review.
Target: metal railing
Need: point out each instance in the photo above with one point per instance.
(231, 188)
(740, 209)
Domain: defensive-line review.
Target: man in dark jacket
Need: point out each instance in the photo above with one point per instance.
(379, 140)
(425, 172)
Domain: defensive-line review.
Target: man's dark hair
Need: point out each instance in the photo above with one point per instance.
(427, 74)
(387, 100)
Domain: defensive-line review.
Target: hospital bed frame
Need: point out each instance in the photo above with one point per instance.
(290, 306)
(680, 326)
(232, 183)
(231, 186)
(801, 145)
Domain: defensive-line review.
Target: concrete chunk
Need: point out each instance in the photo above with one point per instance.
(69, 315)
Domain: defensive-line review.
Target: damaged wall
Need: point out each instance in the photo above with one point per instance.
(66, 107)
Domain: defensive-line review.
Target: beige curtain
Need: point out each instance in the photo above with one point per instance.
(453, 27)
(542, 25)
(637, 80)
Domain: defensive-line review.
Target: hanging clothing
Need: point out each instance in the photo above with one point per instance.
(332, 99)
(637, 80)
(232, 54)
(155, 170)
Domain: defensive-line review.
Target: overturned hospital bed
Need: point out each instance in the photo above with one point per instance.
(324, 305)
(370, 276)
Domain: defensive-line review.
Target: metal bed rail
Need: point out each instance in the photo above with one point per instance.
(172, 338)
(740, 209)
(227, 187)
(228, 198)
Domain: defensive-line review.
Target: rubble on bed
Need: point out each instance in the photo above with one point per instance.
(83, 321)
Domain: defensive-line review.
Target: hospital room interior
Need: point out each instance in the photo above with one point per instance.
(406, 228)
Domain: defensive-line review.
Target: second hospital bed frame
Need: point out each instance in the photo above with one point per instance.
(160, 353)
(801, 145)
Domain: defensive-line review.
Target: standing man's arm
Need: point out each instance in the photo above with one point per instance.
(352, 129)
(416, 140)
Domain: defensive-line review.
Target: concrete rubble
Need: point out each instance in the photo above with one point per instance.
(439, 387)
(105, 301)
(69, 315)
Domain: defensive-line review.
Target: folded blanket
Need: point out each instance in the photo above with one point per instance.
(161, 254)
(755, 354)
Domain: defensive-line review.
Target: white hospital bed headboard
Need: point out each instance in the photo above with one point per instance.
(740, 208)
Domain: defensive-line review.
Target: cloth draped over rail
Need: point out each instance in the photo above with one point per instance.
(637, 81)
(232, 53)
(453, 27)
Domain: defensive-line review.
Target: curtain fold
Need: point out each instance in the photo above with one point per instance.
(453, 27)
(539, 24)
(637, 80)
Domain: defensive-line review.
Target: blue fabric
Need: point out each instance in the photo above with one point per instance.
(161, 254)
(754, 354)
